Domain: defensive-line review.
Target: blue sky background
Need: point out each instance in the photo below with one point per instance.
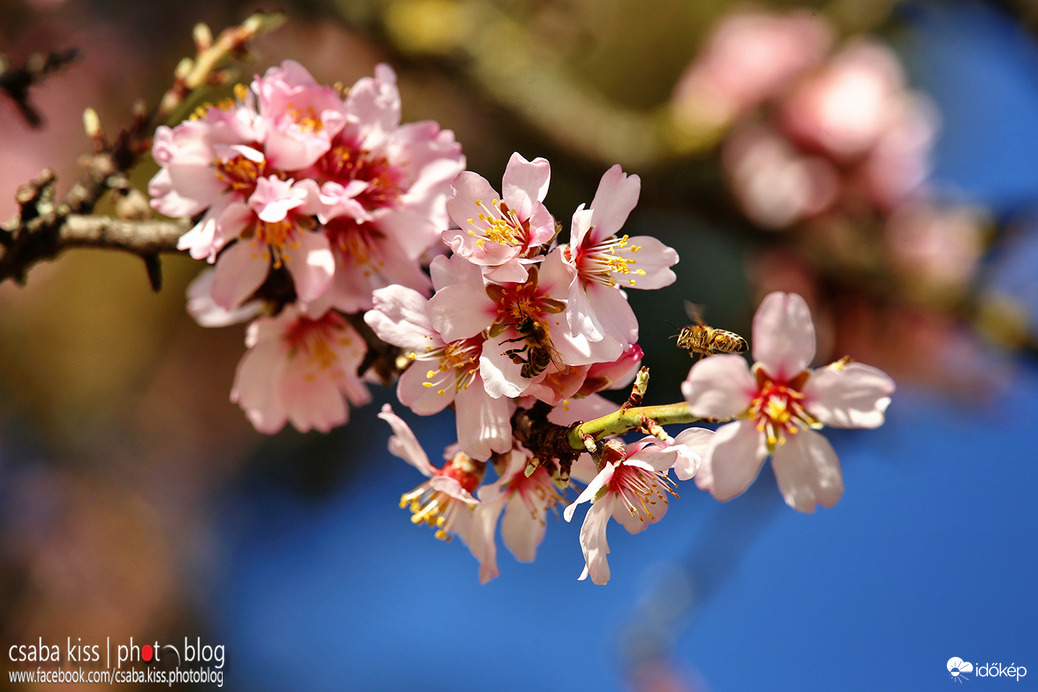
(929, 555)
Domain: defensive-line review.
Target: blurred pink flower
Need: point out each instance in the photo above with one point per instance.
(776, 184)
(934, 245)
(298, 369)
(778, 405)
(845, 108)
(749, 57)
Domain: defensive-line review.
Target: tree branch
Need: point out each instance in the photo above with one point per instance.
(16, 81)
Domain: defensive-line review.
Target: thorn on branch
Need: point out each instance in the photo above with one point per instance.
(154, 268)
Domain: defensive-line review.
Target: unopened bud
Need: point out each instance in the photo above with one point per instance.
(183, 69)
(203, 36)
(92, 124)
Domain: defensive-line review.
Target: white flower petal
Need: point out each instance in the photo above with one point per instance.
(808, 471)
(719, 386)
(523, 530)
(692, 444)
(404, 444)
(593, 541)
(484, 424)
(851, 396)
(783, 335)
(734, 460)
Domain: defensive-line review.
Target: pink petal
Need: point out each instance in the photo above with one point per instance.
(423, 400)
(399, 318)
(460, 311)
(650, 264)
(693, 442)
(469, 190)
(783, 335)
(593, 541)
(240, 270)
(719, 386)
(851, 396)
(590, 491)
(733, 460)
(808, 471)
(311, 265)
(525, 184)
(253, 389)
(484, 423)
(404, 444)
(501, 377)
(312, 403)
(616, 196)
(523, 529)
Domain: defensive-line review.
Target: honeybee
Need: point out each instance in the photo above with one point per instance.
(706, 341)
(537, 348)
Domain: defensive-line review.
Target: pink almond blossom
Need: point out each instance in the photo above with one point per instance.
(632, 488)
(298, 369)
(604, 262)
(525, 501)
(385, 188)
(441, 373)
(502, 232)
(445, 501)
(274, 233)
(778, 405)
(524, 321)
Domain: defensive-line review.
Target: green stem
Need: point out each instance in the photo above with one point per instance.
(631, 419)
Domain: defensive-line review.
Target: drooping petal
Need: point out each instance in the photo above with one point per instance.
(593, 541)
(719, 386)
(783, 335)
(733, 460)
(404, 444)
(589, 492)
(484, 424)
(522, 528)
(480, 536)
(808, 471)
(849, 396)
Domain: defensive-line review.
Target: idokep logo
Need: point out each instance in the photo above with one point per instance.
(958, 668)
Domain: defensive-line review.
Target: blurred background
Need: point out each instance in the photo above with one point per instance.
(878, 157)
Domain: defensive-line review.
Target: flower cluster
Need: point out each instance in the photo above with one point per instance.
(517, 320)
(315, 199)
(346, 237)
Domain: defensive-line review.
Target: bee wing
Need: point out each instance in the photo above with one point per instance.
(694, 312)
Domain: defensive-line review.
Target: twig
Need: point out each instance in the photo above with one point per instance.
(16, 81)
(44, 227)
